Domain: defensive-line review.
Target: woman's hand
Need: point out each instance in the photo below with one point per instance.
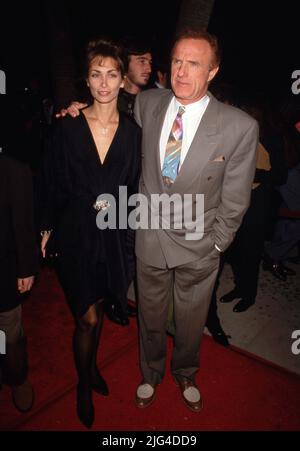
(25, 284)
(72, 110)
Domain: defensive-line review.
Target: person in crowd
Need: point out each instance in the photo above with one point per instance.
(18, 267)
(286, 232)
(191, 144)
(139, 66)
(92, 154)
(160, 74)
(138, 74)
(246, 251)
(287, 229)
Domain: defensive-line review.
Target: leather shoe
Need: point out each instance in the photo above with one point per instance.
(131, 310)
(219, 335)
(243, 305)
(23, 396)
(190, 393)
(85, 407)
(229, 297)
(145, 395)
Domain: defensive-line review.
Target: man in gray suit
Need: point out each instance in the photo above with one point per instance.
(216, 155)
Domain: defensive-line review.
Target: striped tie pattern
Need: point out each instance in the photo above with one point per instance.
(173, 150)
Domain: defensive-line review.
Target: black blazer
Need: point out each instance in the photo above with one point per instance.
(72, 178)
(18, 248)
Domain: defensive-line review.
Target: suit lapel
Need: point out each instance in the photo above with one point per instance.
(159, 114)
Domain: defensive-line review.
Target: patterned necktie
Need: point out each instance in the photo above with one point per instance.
(173, 150)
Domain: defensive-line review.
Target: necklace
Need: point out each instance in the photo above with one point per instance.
(103, 129)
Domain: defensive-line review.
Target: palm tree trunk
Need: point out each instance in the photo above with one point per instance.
(195, 14)
(61, 53)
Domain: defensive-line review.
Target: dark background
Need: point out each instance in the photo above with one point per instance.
(258, 38)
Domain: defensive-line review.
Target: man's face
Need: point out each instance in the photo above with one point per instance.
(139, 69)
(191, 69)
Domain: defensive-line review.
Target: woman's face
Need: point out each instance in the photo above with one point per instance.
(104, 79)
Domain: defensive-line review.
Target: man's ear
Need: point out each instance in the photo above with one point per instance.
(212, 73)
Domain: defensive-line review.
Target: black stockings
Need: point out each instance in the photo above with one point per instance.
(86, 341)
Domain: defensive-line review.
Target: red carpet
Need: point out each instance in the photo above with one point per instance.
(239, 393)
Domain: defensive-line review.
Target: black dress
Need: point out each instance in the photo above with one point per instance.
(92, 262)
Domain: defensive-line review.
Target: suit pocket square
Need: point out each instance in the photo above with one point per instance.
(218, 159)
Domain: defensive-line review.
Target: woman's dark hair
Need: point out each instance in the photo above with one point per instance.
(104, 48)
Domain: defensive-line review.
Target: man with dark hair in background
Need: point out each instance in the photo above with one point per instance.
(138, 74)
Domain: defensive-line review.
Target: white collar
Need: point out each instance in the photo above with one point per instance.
(192, 108)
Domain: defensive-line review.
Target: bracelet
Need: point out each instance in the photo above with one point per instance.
(45, 232)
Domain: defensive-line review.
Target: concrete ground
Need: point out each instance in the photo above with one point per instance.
(266, 328)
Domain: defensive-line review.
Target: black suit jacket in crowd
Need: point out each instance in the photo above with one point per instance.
(18, 248)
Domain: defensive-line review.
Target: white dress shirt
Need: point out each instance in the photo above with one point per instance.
(190, 122)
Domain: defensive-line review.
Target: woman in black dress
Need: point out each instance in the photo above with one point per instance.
(92, 154)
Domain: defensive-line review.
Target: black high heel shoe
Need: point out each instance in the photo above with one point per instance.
(98, 384)
(85, 407)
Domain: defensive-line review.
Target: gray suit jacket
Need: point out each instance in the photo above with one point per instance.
(220, 164)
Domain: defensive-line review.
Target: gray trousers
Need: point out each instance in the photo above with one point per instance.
(189, 287)
(13, 362)
(11, 324)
